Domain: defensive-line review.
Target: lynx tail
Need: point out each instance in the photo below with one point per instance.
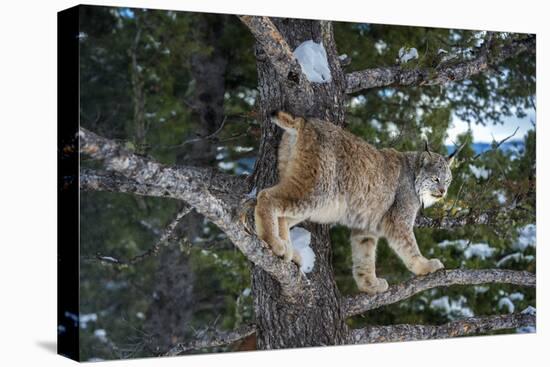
(286, 121)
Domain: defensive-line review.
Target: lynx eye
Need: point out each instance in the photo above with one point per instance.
(435, 179)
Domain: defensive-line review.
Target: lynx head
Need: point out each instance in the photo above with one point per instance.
(433, 176)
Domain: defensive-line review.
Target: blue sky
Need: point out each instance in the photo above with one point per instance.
(484, 134)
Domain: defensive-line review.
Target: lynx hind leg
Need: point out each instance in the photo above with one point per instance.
(363, 250)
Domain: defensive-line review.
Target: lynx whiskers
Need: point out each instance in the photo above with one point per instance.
(328, 175)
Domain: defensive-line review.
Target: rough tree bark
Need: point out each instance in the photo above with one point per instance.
(305, 321)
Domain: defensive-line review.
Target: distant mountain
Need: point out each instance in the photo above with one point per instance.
(514, 146)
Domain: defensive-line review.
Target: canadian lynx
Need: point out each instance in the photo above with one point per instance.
(328, 175)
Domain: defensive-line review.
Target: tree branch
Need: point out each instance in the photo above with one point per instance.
(361, 303)
(165, 237)
(473, 325)
(496, 144)
(276, 48)
(448, 222)
(93, 180)
(217, 340)
(214, 195)
(400, 77)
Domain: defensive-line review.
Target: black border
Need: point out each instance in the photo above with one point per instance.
(68, 184)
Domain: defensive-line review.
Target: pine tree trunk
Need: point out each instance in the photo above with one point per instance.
(282, 324)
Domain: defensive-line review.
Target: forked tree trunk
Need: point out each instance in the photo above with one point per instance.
(283, 324)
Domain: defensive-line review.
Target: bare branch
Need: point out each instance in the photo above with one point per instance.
(466, 217)
(496, 144)
(93, 180)
(217, 340)
(400, 77)
(358, 304)
(200, 138)
(473, 325)
(276, 48)
(216, 196)
(449, 222)
(166, 236)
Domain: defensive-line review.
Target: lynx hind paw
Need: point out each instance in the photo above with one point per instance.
(379, 285)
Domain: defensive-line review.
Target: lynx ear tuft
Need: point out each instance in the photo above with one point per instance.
(426, 148)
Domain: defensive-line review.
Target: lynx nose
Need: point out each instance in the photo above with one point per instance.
(441, 190)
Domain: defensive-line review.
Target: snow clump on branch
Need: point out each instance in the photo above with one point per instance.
(301, 239)
(312, 57)
(406, 54)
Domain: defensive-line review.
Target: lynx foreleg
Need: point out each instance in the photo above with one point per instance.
(285, 223)
(403, 242)
(269, 227)
(363, 252)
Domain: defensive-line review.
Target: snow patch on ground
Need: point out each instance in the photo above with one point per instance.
(380, 46)
(479, 172)
(312, 57)
(526, 330)
(301, 239)
(357, 101)
(479, 289)
(452, 308)
(501, 196)
(530, 310)
(516, 296)
(240, 149)
(459, 244)
(406, 54)
(506, 302)
(376, 124)
(101, 334)
(84, 319)
(480, 250)
(515, 257)
(226, 165)
(527, 237)
(108, 258)
(392, 129)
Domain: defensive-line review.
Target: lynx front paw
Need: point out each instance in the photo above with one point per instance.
(372, 286)
(281, 248)
(427, 266)
(289, 252)
(296, 258)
